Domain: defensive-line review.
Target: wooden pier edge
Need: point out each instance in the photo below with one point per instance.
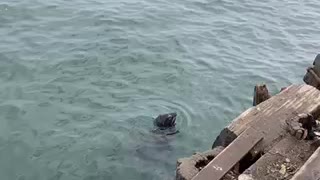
(285, 105)
(230, 156)
(311, 169)
(280, 144)
(269, 119)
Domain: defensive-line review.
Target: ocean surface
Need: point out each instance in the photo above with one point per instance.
(82, 80)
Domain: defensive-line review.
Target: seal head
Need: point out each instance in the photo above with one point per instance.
(165, 121)
(165, 124)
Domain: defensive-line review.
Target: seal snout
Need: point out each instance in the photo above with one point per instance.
(172, 119)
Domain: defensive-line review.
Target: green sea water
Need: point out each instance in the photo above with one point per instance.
(81, 80)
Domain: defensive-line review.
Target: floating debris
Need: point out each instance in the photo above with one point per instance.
(283, 169)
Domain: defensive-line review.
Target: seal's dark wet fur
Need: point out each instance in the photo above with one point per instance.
(166, 122)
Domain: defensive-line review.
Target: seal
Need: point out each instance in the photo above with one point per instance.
(165, 123)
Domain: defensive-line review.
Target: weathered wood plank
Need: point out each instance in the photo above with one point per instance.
(311, 169)
(269, 117)
(282, 161)
(230, 156)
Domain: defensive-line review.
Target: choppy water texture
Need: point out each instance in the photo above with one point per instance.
(80, 80)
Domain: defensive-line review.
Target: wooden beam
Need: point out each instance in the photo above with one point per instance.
(288, 152)
(311, 169)
(260, 94)
(230, 156)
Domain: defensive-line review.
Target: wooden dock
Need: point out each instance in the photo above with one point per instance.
(277, 138)
(230, 156)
